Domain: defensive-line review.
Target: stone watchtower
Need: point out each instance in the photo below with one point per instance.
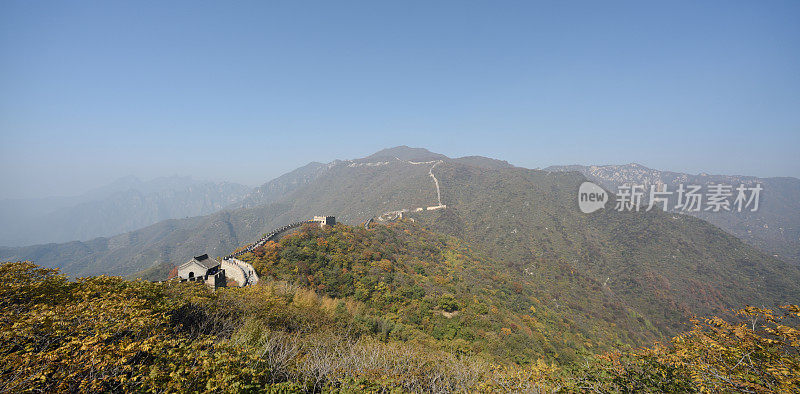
(203, 268)
(325, 220)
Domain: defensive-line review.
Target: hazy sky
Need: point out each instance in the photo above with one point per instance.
(245, 91)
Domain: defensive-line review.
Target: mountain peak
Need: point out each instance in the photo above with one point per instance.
(404, 152)
(637, 165)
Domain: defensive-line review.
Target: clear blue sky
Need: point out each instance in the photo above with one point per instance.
(245, 91)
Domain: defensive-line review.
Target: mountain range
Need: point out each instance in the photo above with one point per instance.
(655, 268)
(123, 205)
(774, 227)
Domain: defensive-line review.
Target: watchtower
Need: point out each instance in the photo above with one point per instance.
(325, 220)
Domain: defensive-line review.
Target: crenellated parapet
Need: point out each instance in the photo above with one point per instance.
(322, 220)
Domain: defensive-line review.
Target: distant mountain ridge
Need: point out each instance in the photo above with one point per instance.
(657, 268)
(124, 205)
(281, 186)
(774, 228)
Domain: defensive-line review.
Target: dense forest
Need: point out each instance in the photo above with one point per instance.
(392, 309)
(435, 288)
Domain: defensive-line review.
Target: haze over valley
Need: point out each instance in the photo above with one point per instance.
(124, 205)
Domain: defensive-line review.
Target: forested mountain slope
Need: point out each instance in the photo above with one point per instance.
(773, 228)
(665, 266)
(439, 290)
(659, 268)
(352, 190)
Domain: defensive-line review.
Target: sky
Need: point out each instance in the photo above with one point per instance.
(246, 91)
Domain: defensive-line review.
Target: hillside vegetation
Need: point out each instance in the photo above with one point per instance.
(663, 267)
(352, 192)
(111, 335)
(774, 227)
(659, 269)
(437, 289)
(510, 272)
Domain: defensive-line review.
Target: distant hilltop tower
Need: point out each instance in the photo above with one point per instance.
(325, 220)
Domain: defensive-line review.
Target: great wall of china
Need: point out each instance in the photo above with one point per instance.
(244, 273)
(322, 220)
(398, 214)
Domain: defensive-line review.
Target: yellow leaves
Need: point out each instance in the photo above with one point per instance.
(383, 288)
(792, 309)
(725, 356)
(441, 280)
(105, 334)
(718, 322)
(383, 264)
(306, 299)
(83, 338)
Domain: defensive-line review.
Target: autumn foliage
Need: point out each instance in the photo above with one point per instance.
(106, 334)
